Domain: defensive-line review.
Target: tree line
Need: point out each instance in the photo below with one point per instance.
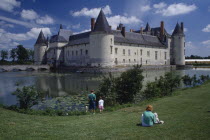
(18, 55)
(196, 57)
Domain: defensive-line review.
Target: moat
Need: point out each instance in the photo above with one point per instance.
(67, 84)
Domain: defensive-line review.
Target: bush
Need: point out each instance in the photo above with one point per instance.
(123, 88)
(27, 96)
(129, 84)
(163, 86)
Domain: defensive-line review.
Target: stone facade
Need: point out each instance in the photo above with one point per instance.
(104, 47)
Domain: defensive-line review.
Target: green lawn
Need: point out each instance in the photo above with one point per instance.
(186, 116)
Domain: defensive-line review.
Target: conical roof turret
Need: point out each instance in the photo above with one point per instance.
(147, 27)
(41, 39)
(178, 30)
(102, 23)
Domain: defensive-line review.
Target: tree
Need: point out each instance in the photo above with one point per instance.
(13, 54)
(4, 55)
(129, 84)
(27, 96)
(31, 54)
(22, 53)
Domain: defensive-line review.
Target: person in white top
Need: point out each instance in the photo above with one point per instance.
(101, 104)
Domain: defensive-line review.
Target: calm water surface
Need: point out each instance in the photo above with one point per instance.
(67, 84)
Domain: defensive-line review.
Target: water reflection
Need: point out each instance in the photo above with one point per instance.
(65, 84)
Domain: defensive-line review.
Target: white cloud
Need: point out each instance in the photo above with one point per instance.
(206, 29)
(160, 5)
(8, 39)
(115, 20)
(91, 12)
(145, 8)
(3, 24)
(176, 9)
(45, 20)
(9, 5)
(33, 16)
(26, 24)
(29, 14)
(207, 42)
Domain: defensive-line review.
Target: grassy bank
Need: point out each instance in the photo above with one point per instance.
(186, 116)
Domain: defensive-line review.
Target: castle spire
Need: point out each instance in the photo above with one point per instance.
(61, 26)
(178, 30)
(41, 39)
(147, 27)
(102, 23)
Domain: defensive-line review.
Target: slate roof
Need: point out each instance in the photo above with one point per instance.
(137, 38)
(41, 40)
(178, 30)
(102, 24)
(81, 38)
(57, 38)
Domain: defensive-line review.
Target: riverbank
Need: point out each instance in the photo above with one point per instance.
(186, 116)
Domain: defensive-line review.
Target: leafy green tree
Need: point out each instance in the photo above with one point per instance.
(13, 54)
(31, 54)
(129, 84)
(22, 53)
(27, 96)
(107, 90)
(152, 90)
(4, 55)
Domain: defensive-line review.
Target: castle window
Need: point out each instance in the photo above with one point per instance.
(148, 53)
(156, 55)
(116, 50)
(81, 51)
(86, 52)
(54, 51)
(111, 49)
(111, 40)
(116, 61)
(146, 62)
(165, 55)
(76, 53)
(72, 53)
(141, 60)
(129, 60)
(129, 52)
(123, 60)
(135, 53)
(134, 60)
(68, 52)
(141, 52)
(123, 51)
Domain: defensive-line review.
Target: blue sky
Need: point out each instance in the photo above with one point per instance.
(22, 20)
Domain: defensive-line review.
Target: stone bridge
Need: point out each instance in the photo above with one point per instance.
(23, 67)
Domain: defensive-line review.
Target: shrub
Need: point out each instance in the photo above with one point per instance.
(27, 96)
(152, 90)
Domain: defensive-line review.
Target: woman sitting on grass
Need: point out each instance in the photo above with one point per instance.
(149, 118)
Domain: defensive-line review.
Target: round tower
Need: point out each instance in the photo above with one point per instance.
(178, 42)
(40, 48)
(101, 43)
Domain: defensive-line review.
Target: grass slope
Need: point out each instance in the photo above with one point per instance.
(186, 116)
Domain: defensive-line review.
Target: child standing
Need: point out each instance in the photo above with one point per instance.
(101, 104)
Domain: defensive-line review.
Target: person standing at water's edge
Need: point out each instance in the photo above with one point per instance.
(92, 101)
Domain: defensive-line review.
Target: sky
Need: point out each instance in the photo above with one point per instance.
(22, 20)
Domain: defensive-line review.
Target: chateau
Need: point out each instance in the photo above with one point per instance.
(107, 47)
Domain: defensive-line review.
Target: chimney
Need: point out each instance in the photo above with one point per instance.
(182, 26)
(92, 23)
(162, 30)
(141, 30)
(123, 31)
